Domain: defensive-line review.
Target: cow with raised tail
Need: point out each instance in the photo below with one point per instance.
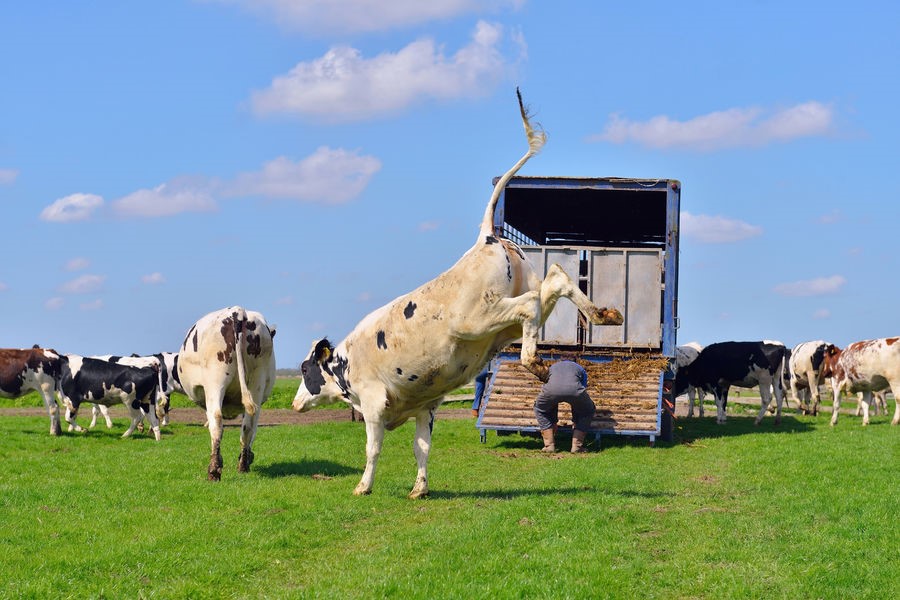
(226, 366)
(401, 359)
(804, 374)
(24, 370)
(867, 366)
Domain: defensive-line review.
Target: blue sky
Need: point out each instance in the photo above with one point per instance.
(315, 160)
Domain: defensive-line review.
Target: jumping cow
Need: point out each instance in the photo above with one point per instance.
(226, 366)
(744, 364)
(22, 371)
(803, 374)
(84, 379)
(685, 355)
(402, 358)
(867, 366)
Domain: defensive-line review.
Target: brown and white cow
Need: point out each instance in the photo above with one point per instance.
(24, 370)
(402, 358)
(226, 365)
(867, 366)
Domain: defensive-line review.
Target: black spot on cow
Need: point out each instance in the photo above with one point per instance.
(490, 240)
(195, 341)
(410, 310)
(312, 376)
(399, 371)
(412, 377)
(380, 340)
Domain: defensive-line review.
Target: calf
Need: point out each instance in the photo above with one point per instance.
(226, 366)
(867, 366)
(685, 355)
(804, 374)
(401, 359)
(744, 364)
(22, 371)
(85, 379)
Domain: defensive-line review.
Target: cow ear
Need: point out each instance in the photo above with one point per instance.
(323, 350)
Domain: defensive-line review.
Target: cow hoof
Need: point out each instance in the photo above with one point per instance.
(361, 491)
(418, 494)
(56, 430)
(215, 475)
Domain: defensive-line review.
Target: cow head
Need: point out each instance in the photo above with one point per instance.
(324, 378)
(832, 354)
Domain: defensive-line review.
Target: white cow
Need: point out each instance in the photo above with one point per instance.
(867, 366)
(402, 358)
(226, 365)
(685, 355)
(804, 374)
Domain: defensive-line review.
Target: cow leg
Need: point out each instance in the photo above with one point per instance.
(100, 409)
(154, 422)
(691, 392)
(866, 402)
(895, 388)
(700, 397)
(52, 409)
(421, 448)
(835, 402)
(137, 417)
(813, 380)
(796, 393)
(765, 394)
(248, 434)
(721, 399)
(214, 420)
(374, 440)
(71, 415)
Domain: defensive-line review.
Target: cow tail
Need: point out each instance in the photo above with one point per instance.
(536, 139)
(240, 350)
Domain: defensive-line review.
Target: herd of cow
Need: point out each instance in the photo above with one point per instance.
(226, 365)
(868, 368)
(400, 360)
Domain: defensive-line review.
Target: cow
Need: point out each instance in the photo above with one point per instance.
(166, 363)
(803, 374)
(86, 379)
(401, 359)
(867, 366)
(226, 365)
(744, 364)
(685, 355)
(24, 370)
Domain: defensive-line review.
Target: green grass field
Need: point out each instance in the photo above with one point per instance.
(801, 511)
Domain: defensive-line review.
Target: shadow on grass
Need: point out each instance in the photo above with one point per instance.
(307, 468)
(555, 491)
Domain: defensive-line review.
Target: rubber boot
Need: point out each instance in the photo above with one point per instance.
(549, 445)
(578, 441)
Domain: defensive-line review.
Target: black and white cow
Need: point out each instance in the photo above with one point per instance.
(226, 366)
(685, 355)
(166, 363)
(744, 364)
(84, 379)
(401, 359)
(803, 374)
(24, 370)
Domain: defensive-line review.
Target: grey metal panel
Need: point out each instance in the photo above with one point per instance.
(562, 325)
(629, 280)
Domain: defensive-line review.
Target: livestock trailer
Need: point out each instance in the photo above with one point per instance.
(618, 238)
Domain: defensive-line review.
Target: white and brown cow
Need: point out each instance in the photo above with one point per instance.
(804, 374)
(84, 379)
(867, 366)
(24, 370)
(402, 358)
(226, 365)
(685, 355)
(744, 364)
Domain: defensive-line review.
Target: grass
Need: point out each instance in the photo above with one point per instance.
(801, 511)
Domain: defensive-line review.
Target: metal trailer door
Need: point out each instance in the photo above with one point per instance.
(629, 279)
(562, 326)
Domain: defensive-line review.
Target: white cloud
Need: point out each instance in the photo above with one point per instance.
(364, 297)
(75, 207)
(83, 285)
(331, 176)
(318, 17)
(8, 176)
(811, 287)
(716, 229)
(92, 305)
(284, 301)
(77, 264)
(822, 313)
(343, 85)
(735, 127)
(153, 278)
(427, 226)
(171, 198)
(54, 303)
(835, 216)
